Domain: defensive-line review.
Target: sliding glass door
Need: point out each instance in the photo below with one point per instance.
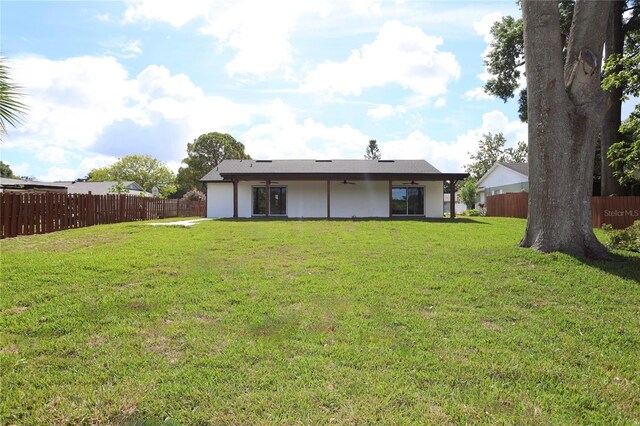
(407, 201)
(277, 200)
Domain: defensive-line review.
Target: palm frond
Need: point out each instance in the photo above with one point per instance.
(12, 110)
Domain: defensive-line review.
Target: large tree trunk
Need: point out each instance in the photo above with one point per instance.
(614, 44)
(566, 111)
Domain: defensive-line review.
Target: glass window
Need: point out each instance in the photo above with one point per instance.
(407, 200)
(415, 200)
(277, 200)
(258, 195)
(399, 201)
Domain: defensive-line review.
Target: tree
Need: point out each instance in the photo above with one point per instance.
(566, 108)
(491, 150)
(625, 155)
(11, 108)
(372, 152)
(5, 171)
(469, 192)
(145, 170)
(506, 57)
(204, 154)
(622, 76)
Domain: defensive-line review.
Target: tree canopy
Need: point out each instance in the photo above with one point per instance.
(491, 149)
(372, 152)
(145, 170)
(11, 108)
(625, 155)
(5, 171)
(205, 153)
(469, 192)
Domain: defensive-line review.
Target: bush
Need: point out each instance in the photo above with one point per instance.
(624, 239)
(194, 195)
(471, 212)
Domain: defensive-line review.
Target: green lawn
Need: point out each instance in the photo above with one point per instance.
(289, 322)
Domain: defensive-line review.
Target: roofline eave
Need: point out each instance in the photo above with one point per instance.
(229, 177)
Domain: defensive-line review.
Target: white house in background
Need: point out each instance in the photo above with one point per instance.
(461, 207)
(104, 188)
(326, 188)
(502, 178)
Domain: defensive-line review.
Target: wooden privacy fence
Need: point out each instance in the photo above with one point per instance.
(619, 212)
(30, 213)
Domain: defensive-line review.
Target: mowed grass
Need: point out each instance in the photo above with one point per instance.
(314, 322)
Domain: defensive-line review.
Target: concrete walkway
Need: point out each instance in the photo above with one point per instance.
(179, 222)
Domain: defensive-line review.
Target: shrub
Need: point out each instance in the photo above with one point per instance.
(624, 239)
(194, 195)
(472, 212)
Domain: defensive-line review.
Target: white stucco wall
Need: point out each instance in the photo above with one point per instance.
(502, 176)
(306, 199)
(363, 199)
(244, 197)
(309, 199)
(219, 200)
(433, 204)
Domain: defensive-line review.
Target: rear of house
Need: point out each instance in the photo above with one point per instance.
(326, 188)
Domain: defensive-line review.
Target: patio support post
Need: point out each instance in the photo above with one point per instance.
(390, 197)
(452, 197)
(235, 198)
(328, 199)
(267, 184)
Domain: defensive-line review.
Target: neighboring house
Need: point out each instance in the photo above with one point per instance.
(106, 187)
(461, 207)
(326, 188)
(19, 185)
(503, 178)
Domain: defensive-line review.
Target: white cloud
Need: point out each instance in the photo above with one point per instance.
(103, 17)
(400, 55)
(52, 154)
(478, 94)
(70, 101)
(451, 156)
(258, 31)
(89, 104)
(21, 169)
(385, 111)
(483, 26)
(283, 136)
(440, 102)
(172, 12)
(58, 174)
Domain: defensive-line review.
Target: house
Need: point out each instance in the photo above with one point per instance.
(502, 178)
(461, 207)
(326, 188)
(19, 185)
(106, 187)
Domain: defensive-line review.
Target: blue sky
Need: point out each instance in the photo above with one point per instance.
(289, 79)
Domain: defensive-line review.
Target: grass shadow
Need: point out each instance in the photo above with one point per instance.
(623, 265)
(458, 220)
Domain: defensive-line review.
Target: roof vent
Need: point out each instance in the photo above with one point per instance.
(323, 161)
(386, 161)
(263, 161)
